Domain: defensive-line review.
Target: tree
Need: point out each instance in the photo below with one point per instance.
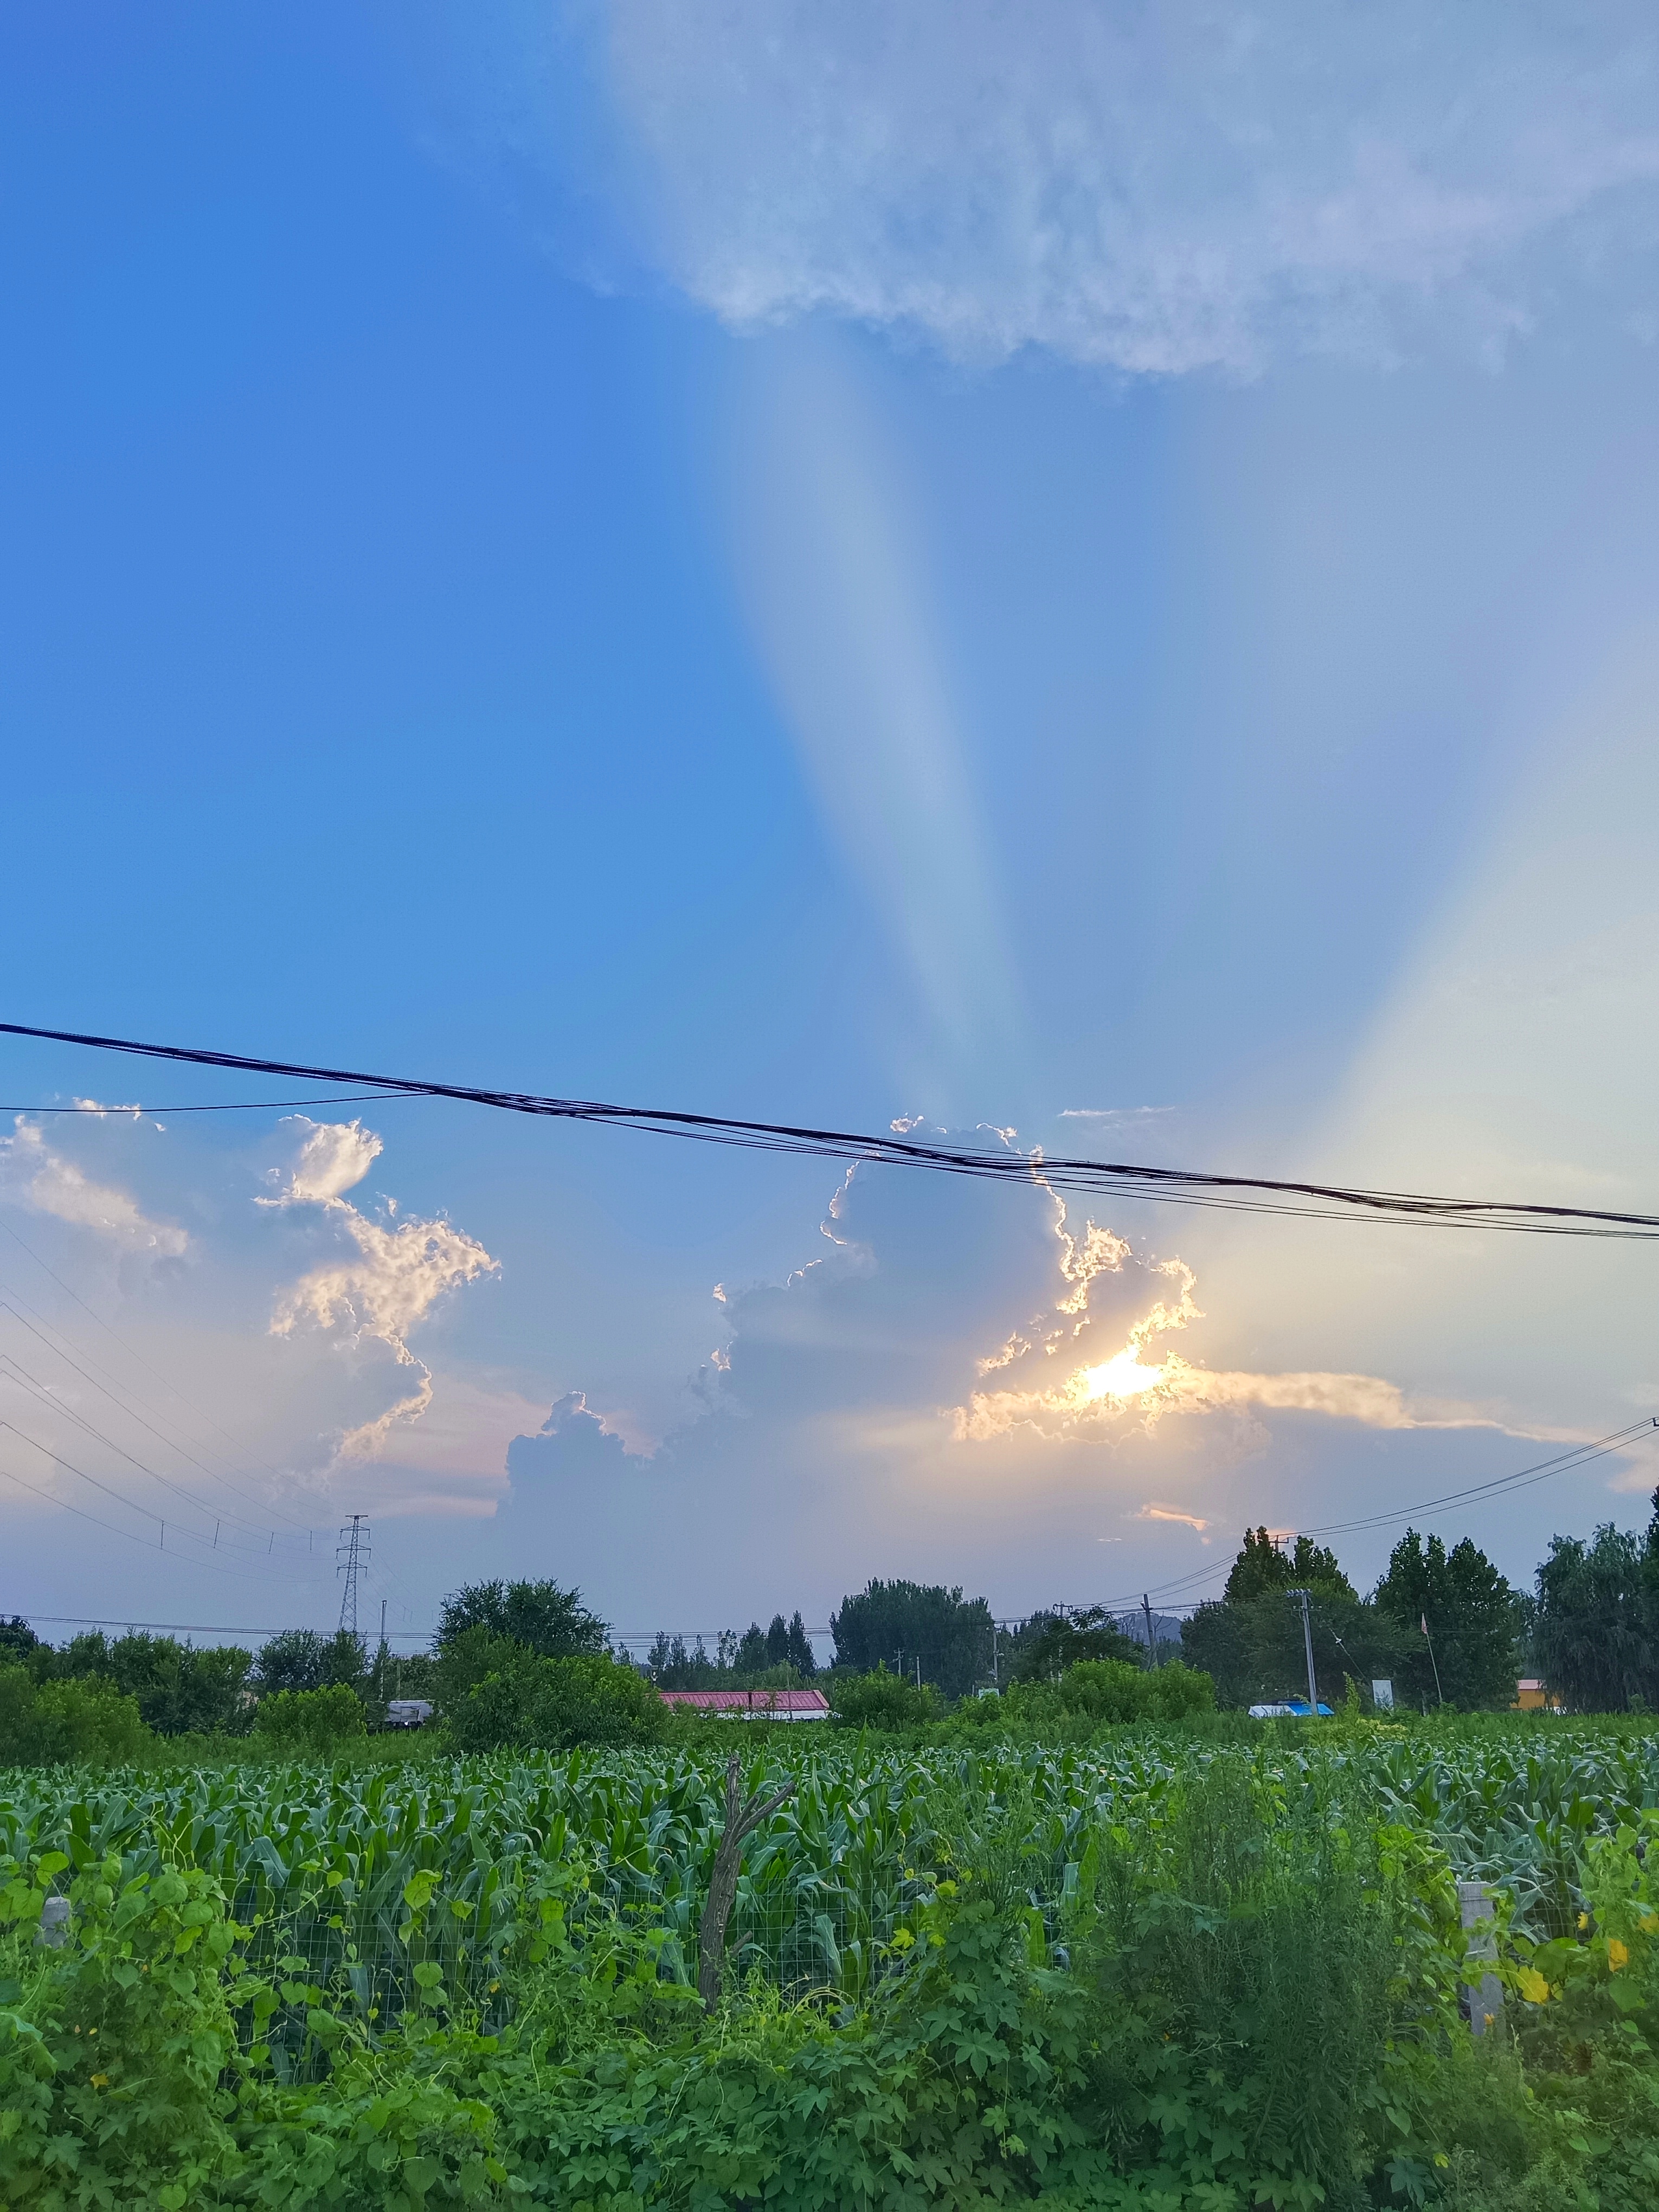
(1251, 1642)
(557, 1705)
(314, 1721)
(798, 1652)
(1471, 1613)
(1596, 1625)
(181, 1689)
(1264, 1566)
(1049, 1643)
(18, 1639)
(546, 1619)
(86, 1719)
(881, 1701)
(951, 1636)
(294, 1660)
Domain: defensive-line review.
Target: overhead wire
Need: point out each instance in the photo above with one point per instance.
(115, 1399)
(93, 1314)
(1183, 1186)
(80, 1514)
(138, 1112)
(48, 1397)
(1618, 1440)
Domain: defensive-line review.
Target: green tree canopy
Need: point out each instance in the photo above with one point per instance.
(1471, 1613)
(1265, 1565)
(951, 1635)
(1049, 1643)
(180, 1689)
(1596, 1625)
(546, 1617)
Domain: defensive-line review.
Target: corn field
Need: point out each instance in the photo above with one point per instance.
(323, 1857)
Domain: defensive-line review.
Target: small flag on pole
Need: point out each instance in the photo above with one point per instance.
(1424, 1619)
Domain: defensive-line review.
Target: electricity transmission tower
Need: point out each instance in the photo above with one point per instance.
(351, 1557)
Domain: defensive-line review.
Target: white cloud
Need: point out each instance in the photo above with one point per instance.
(1095, 1393)
(386, 1280)
(1172, 1513)
(843, 1436)
(332, 1159)
(31, 1174)
(1154, 189)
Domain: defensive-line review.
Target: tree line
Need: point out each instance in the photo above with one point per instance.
(529, 1660)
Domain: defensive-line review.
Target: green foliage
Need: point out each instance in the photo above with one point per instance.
(305, 1659)
(881, 1701)
(1264, 1567)
(1049, 1643)
(779, 1657)
(1252, 1648)
(113, 2049)
(314, 1721)
(1152, 1977)
(180, 1689)
(547, 1619)
(17, 1638)
(1470, 1610)
(88, 1720)
(1093, 1694)
(555, 1705)
(1596, 1627)
(951, 1635)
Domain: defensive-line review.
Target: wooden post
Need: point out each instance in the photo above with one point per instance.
(742, 1818)
(1484, 1998)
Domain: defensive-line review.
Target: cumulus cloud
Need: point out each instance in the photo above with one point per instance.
(1094, 1394)
(333, 1158)
(841, 1434)
(1157, 189)
(31, 1174)
(383, 1277)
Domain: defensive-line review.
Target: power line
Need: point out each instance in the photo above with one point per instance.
(48, 1397)
(184, 1627)
(172, 1442)
(1181, 1186)
(1581, 1455)
(1634, 1432)
(138, 1112)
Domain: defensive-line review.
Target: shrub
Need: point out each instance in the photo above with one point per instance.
(1113, 1689)
(557, 1705)
(881, 1701)
(316, 1721)
(58, 1722)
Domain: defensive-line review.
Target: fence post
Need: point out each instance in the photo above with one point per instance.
(1483, 2000)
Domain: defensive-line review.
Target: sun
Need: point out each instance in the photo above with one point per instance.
(1121, 1377)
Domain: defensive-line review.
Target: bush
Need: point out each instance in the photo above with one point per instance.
(557, 1705)
(311, 1720)
(86, 1720)
(1113, 1689)
(881, 1701)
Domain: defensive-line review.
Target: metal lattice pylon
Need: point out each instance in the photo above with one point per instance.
(351, 1555)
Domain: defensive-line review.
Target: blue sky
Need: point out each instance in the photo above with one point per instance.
(1093, 575)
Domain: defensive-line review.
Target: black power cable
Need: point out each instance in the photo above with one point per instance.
(1180, 1186)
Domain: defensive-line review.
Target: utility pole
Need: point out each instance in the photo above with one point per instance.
(354, 1544)
(1307, 1645)
(1146, 1608)
(1433, 1662)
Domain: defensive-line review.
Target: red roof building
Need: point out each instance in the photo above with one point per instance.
(753, 1705)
